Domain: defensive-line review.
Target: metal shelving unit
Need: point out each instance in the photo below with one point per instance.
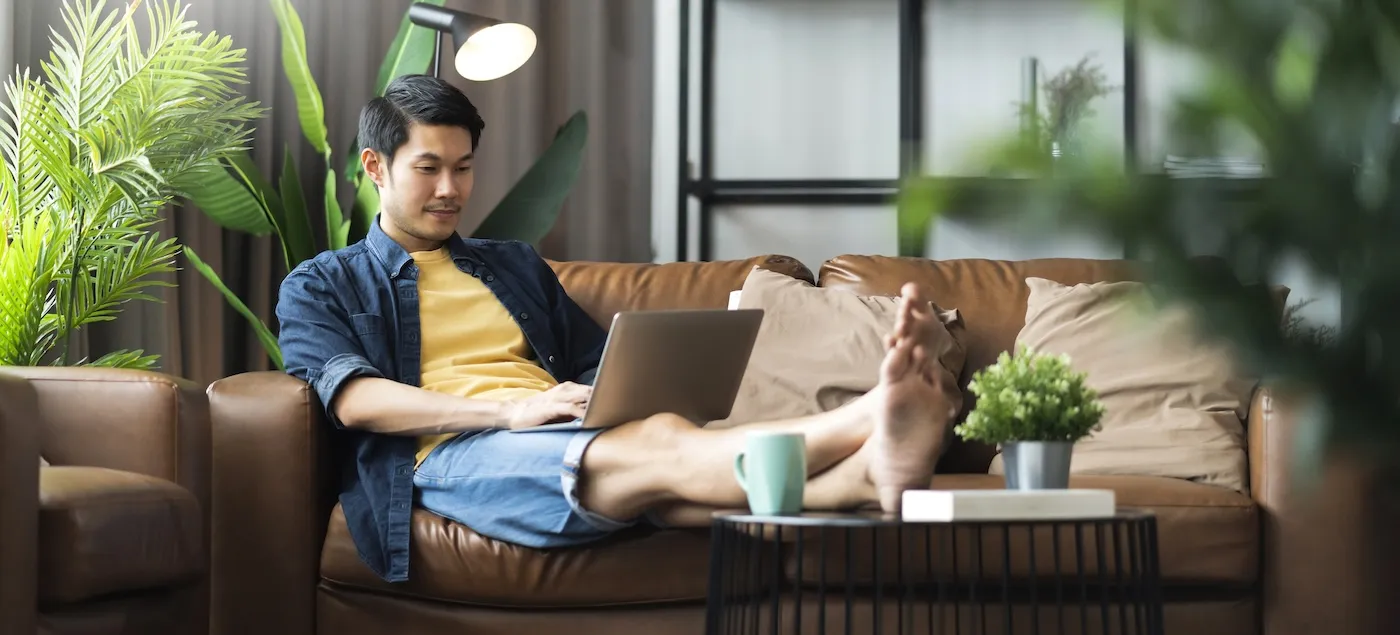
(709, 192)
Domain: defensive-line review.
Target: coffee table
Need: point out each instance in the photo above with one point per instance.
(874, 573)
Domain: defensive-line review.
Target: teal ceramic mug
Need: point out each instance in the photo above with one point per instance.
(772, 470)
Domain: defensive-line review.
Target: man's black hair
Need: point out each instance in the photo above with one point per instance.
(411, 99)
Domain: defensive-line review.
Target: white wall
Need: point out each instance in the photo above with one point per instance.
(809, 88)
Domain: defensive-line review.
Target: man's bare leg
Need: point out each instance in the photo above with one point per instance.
(890, 437)
(843, 487)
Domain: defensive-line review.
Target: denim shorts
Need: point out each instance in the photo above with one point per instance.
(520, 488)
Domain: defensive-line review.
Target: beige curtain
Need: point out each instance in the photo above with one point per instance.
(593, 55)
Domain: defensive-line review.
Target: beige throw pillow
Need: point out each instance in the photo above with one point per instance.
(1174, 405)
(821, 348)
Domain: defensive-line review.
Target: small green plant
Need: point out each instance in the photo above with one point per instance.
(1030, 396)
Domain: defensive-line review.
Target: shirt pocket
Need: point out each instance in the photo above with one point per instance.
(374, 338)
(367, 323)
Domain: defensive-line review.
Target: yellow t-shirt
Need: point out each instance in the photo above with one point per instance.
(471, 346)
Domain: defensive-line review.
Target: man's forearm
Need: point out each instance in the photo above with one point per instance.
(385, 406)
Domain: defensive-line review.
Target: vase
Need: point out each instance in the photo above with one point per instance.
(1033, 465)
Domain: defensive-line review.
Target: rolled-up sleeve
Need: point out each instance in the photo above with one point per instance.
(317, 338)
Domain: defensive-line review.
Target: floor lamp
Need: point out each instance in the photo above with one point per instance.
(486, 48)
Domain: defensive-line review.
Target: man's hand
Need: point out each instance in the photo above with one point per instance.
(564, 402)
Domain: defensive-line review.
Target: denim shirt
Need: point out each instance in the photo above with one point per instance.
(353, 312)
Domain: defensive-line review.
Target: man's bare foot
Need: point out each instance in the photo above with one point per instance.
(911, 412)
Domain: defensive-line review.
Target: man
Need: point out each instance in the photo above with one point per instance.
(427, 350)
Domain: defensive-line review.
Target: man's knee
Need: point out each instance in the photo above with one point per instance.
(667, 425)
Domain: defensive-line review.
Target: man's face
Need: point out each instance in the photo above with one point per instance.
(424, 191)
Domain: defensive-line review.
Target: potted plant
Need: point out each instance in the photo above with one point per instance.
(115, 130)
(1068, 96)
(1035, 406)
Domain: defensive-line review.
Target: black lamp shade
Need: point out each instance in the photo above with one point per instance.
(484, 49)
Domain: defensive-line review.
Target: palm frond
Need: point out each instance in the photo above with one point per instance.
(26, 295)
(137, 359)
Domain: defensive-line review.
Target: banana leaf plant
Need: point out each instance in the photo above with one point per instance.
(240, 198)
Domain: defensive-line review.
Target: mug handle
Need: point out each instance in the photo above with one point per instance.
(739, 471)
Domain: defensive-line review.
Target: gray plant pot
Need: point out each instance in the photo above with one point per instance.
(1037, 464)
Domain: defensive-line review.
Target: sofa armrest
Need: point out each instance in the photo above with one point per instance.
(274, 490)
(1268, 449)
(19, 505)
(1327, 564)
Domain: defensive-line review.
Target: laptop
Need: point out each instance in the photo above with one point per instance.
(683, 361)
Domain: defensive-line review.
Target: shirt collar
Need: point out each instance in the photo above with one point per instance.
(394, 257)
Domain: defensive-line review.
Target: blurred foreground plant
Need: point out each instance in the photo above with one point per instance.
(1316, 85)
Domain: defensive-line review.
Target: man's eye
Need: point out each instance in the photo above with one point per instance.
(426, 169)
(465, 168)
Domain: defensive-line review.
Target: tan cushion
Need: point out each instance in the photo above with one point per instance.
(820, 348)
(450, 562)
(105, 532)
(1206, 537)
(1174, 405)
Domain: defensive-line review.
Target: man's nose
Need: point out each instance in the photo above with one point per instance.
(446, 187)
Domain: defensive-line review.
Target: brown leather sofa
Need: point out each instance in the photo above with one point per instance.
(284, 562)
(112, 536)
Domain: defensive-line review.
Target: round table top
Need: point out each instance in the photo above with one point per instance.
(876, 518)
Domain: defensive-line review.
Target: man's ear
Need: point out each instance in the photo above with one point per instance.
(377, 170)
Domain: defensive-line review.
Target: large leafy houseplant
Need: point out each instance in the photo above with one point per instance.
(90, 160)
(241, 198)
(1316, 85)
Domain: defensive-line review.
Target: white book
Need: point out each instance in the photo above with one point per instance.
(1003, 504)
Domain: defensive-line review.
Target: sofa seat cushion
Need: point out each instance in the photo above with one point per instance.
(104, 532)
(1207, 536)
(450, 562)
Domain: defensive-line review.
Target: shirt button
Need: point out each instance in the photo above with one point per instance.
(490, 278)
(524, 316)
(551, 359)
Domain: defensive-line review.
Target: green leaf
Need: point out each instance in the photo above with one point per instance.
(366, 206)
(229, 202)
(1295, 72)
(265, 336)
(136, 359)
(337, 228)
(529, 209)
(298, 226)
(311, 109)
(410, 54)
(264, 191)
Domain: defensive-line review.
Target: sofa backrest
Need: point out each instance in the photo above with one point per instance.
(989, 294)
(604, 288)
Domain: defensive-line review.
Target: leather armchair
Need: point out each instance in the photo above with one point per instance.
(116, 526)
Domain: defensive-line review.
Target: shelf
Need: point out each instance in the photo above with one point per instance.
(796, 191)
(696, 182)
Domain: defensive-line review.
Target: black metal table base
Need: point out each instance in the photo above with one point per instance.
(831, 573)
